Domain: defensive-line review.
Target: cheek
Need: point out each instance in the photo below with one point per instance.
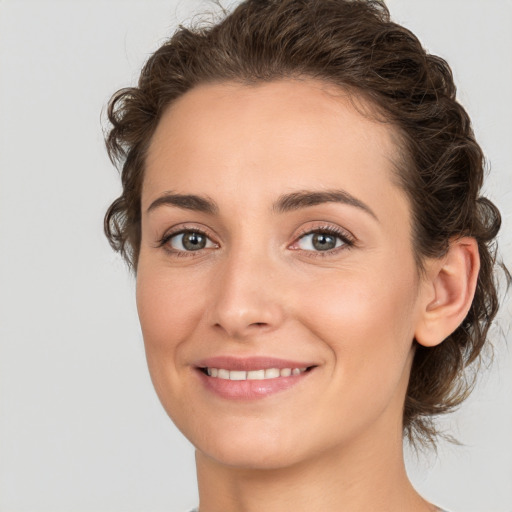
(367, 319)
(360, 302)
(169, 309)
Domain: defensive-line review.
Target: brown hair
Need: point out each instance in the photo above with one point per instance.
(353, 44)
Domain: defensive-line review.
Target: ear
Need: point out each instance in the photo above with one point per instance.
(448, 291)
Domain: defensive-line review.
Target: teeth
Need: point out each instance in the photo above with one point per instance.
(269, 373)
(272, 373)
(223, 374)
(256, 375)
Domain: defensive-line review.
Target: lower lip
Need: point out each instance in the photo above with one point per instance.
(249, 389)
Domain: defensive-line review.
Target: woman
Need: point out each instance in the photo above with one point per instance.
(314, 260)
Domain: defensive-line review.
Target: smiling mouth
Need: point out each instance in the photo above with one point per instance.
(251, 378)
(262, 374)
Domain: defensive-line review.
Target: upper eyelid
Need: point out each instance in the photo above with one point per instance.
(184, 228)
(335, 230)
(345, 242)
(164, 242)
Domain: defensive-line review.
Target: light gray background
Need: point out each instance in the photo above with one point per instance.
(80, 426)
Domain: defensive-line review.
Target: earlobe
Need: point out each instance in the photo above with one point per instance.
(448, 291)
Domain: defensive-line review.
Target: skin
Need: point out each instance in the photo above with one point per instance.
(333, 442)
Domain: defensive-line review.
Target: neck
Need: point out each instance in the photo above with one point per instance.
(365, 476)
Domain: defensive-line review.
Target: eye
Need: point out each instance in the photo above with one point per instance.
(319, 242)
(322, 240)
(188, 241)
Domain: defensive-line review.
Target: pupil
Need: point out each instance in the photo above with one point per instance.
(323, 242)
(193, 241)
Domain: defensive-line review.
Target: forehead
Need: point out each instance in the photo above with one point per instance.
(225, 138)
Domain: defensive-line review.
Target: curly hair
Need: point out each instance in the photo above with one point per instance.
(355, 45)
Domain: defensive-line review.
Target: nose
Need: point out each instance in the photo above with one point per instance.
(248, 296)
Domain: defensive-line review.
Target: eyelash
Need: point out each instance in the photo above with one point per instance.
(347, 241)
(163, 242)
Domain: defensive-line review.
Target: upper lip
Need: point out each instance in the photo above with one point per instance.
(250, 363)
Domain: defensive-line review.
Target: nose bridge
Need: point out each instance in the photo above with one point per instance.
(247, 299)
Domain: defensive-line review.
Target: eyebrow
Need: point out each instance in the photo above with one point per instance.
(285, 203)
(307, 198)
(186, 202)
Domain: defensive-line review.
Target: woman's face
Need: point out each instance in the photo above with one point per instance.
(274, 239)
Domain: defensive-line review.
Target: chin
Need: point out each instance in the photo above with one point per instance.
(251, 458)
(247, 446)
